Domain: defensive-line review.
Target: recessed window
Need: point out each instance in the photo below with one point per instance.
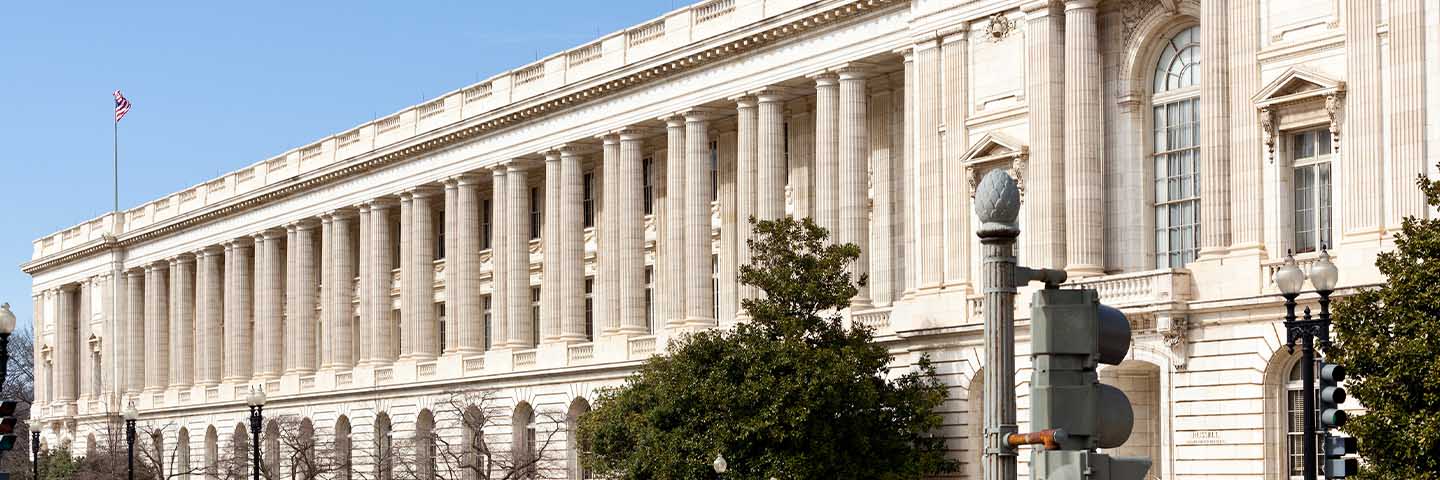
(1310, 156)
(590, 309)
(535, 216)
(1176, 151)
(589, 199)
(647, 174)
(485, 224)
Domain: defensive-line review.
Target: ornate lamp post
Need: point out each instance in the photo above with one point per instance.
(130, 415)
(256, 400)
(35, 454)
(1290, 279)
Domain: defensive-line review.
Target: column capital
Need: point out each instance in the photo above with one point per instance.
(157, 265)
(852, 70)
(521, 163)
(271, 234)
(341, 213)
(700, 114)
(954, 33)
(210, 250)
(186, 257)
(1071, 5)
(381, 203)
(744, 100)
(906, 52)
(1037, 8)
(467, 178)
(775, 93)
(636, 132)
(304, 223)
(673, 120)
(824, 78)
(69, 287)
(423, 191)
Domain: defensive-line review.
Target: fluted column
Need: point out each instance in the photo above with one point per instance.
(1045, 226)
(882, 182)
(1407, 116)
(629, 225)
(572, 246)
(699, 271)
(670, 292)
(906, 185)
(419, 313)
(499, 257)
(239, 309)
(365, 346)
(899, 182)
(302, 321)
(552, 271)
(517, 264)
(379, 283)
(827, 152)
(929, 208)
(463, 296)
(407, 275)
(210, 314)
(340, 331)
(318, 335)
(271, 292)
(955, 61)
(66, 351)
(1084, 172)
(291, 339)
(1247, 166)
(611, 230)
(1363, 137)
(134, 331)
(157, 327)
(747, 150)
(854, 174)
(802, 157)
(182, 324)
(770, 171)
(449, 341)
(1214, 128)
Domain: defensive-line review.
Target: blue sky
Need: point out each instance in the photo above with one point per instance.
(220, 85)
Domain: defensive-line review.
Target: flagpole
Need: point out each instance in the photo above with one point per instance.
(116, 170)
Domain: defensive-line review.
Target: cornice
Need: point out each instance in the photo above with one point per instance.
(448, 136)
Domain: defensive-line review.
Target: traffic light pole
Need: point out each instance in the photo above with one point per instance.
(1305, 330)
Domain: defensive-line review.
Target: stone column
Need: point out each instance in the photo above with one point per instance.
(1045, 93)
(522, 333)
(699, 271)
(380, 282)
(135, 331)
(905, 189)
(747, 150)
(211, 314)
(306, 276)
(156, 354)
(882, 179)
(571, 229)
(552, 272)
(499, 257)
(182, 325)
(929, 207)
(611, 231)
(1407, 114)
(1084, 170)
(407, 275)
(1247, 167)
(318, 335)
(726, 289)
(420, 312)
(365, 347)
(271, 292)
(339, 329)
(954, 60)
(629, 224)
(292, 291)
(770, 171)
(854, 174)
(239, 308)
(66, 351)
(670, 292)
(1214, 128)
(899, 182)
(85, 369)
(802, 158)
(450, 342)
(827, 153)
(463, 304)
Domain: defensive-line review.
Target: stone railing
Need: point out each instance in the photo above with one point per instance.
(878, 319)
(641, 347)
(1304, 261)
(580, 353)
(524, 358)
(474, 365)
(1139, 288)
(425, 370)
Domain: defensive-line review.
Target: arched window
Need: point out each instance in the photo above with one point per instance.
(476, 452)
(181, 469)
(385, 463)
(342, 449)
(1176, 154)
(578, 408)
(239, 453)
(523, 438)
(1295, 424)
(270, 450)
(425, 445)
(212, 453)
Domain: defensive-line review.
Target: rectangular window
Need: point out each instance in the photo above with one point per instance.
(439, 231)
(715, 284)
(485, 307)
(1177, 182)
(590, 308)
(649, 297)
(485, 216)
(589, 199)
(647, 173)
(714, 170)
(440, 318)
(785, 139)
(1310, 154)
(534, 316)
(535, 216)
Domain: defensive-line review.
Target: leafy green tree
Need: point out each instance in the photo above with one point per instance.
(791, 394)
(1388, 339)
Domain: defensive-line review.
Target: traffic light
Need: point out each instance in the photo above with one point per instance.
(1331, 396)
(1071, 335)
(7, 425)
(1336, 451)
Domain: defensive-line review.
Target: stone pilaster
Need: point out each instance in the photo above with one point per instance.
(517, 265)
(552, 271)
(1044, 245)
(882, 181)
(239, 309)
(571, 230)
(699, 271)
(1407, 116)
(463, 296)
(1247, 211)
(182, 321)
(1214, 128)
(905, 183)
(827, 153)
(1363, 139)
(670, 291)
(156, 354)
(853, 191)
(210, 314)
(954, 61)
(630, 234)
(420, 312)
(747, 148)
(1084, 170)
(380, 282)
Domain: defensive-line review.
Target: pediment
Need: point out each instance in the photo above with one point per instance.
(995, 145)
(1297, 84)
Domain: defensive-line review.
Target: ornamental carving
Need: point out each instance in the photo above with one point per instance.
(1000, 26)
(1132, 12)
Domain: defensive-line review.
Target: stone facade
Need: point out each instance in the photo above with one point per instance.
(542, 232)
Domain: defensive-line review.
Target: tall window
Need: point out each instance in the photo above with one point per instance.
(440, 321)
(1177, 150)
(485, 221)
(714, 170)
(1295, 423)
(647, 170)
(534, 315)
(589, 199)
(650, 298)
(485, 307)
(590, 309)
(1310, 155)
(535, 218)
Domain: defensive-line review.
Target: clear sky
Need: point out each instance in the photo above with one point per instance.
(220, 85)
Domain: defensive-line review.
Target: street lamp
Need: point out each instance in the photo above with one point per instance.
(256, 400)
(719, 464)
(1290, 279)
(130, 415)
(7, 326)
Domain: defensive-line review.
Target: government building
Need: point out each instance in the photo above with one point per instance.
(539, 234)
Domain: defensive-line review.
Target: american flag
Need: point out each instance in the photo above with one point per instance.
(122, 106)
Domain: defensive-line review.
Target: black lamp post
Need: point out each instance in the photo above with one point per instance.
(130, 415)
(35, 454)
(1290, 279)
(256, 399)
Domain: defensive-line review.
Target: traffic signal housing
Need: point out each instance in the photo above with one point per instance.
(1337, 449)
(1331, 396)
(7, 425)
